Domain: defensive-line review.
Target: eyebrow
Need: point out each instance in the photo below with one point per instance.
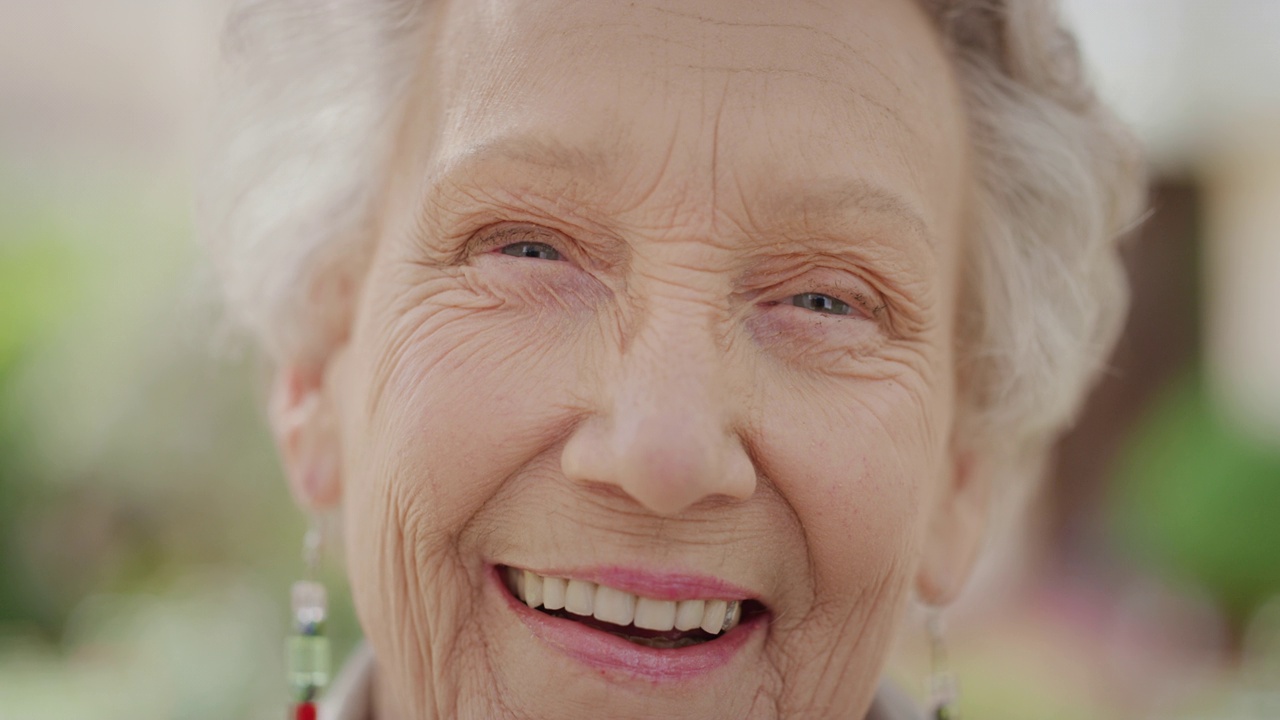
(537, 151)
(815, 203)
(827, 201)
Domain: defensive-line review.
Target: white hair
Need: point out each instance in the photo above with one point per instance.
(1059, 180)
(315, 89)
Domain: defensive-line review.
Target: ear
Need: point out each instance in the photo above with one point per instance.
(304, 422)
(956, 529)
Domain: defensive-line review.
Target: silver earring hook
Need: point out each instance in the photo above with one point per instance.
(942, 688)
(311, 545)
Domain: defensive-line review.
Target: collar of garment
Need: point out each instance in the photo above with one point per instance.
(349, 697)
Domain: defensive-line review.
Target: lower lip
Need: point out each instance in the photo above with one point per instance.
(613, 654)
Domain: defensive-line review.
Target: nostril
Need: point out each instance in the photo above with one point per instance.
(664, 454)
(671, 467)
(586, 455)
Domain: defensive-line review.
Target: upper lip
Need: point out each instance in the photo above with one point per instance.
(658, 585)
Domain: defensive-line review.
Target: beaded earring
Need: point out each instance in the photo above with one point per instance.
(307, 648)
(944, 692)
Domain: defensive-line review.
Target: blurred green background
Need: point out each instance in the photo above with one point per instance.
(146, 539)
(147, 542)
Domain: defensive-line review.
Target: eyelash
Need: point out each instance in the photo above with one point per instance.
(832, 305)
(497, 239)
(856, 306)
(558, 256)
(841, 308)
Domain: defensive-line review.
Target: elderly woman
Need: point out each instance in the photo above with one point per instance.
(656, 355)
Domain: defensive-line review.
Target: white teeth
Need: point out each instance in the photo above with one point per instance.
(579, 597)
(532, 589)
(655, 614)
(689, 614)
(621, 608)
(713, 618)
(553, 592)
(615, 606)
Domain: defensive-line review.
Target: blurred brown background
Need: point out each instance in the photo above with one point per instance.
(147, 541)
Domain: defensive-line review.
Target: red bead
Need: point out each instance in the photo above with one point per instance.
(304, 711)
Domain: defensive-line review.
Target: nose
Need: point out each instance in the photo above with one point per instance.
(665, 434)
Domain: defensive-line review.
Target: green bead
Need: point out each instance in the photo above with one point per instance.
(307, 664)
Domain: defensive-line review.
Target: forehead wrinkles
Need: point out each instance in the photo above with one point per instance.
(698, 104)
(654, 45)
(734, 62)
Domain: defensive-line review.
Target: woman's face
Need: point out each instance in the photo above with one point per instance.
(663, 303)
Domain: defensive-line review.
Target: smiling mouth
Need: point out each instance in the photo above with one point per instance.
(662, 624)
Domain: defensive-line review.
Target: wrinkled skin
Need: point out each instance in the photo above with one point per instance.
(645, 391)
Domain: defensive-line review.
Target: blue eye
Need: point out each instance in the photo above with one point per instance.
(820, 303)
(537, 250)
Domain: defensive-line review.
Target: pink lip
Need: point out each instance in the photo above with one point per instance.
(659, 586)
(610, 653)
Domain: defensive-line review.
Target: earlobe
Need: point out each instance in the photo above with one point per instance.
(304, 425)
(956, 531)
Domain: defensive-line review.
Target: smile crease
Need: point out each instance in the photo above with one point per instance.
(665, 624)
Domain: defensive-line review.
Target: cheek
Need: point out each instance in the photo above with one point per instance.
(852, 459)
(462, 393)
